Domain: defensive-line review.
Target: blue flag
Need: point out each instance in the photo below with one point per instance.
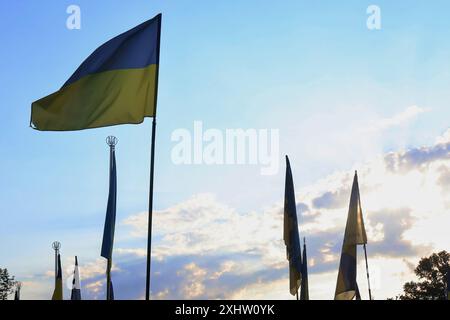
(110, 221)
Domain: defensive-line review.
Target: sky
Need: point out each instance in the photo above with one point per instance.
(342, 97)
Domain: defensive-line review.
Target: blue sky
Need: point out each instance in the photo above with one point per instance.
(311, 69)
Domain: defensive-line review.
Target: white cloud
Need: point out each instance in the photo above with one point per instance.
(405, 210)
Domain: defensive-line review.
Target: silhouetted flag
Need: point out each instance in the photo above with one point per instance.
(58, 292)
(76, 288)
(355, 234)
(115, 85)
(110, 221)
(291, 234)
(304, 290)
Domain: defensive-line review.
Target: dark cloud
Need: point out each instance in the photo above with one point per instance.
(416, 157)
(395, 223)
(332, 200)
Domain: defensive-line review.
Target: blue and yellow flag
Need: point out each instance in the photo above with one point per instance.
(304, 290)
(116, 84)
(58, 292)
(291, 234)
(355, 234)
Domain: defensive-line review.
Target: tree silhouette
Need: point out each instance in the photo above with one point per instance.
(7, 284)
(432, 272)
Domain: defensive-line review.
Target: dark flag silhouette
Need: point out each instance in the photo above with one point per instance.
(58, 292)
(76, 288)
(355, 234)
(304, 290)
(110, 221)
(291, 234)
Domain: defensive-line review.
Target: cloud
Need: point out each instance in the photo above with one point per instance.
(205, 249)
(407, 115)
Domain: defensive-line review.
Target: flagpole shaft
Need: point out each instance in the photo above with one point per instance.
(108, 280)
(150, 211)
(367, 271)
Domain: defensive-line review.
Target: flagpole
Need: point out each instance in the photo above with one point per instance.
(56, 245)
(108, 280)
(150, 211)
(367, 272)
(152, 170)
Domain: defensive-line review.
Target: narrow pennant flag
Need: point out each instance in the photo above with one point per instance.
(355, 234)
(58, 292)
(76, 288)
(110, 220)
(116, 84)
(304, 290)
(291, 234)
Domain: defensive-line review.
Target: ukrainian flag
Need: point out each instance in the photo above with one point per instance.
(116, 84)
(290, 233)
(355, 234)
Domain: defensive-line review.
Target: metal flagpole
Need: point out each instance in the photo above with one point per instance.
(56, 245)
(150, 211)
(152, 169)
(108, 280)
(367, 271)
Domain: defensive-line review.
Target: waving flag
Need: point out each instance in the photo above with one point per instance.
(291, 234)
(116, 84)
(76, 288)
(355, 234)
(58, 292)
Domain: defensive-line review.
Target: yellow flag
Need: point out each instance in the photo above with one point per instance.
(355, 234)
(58, 292)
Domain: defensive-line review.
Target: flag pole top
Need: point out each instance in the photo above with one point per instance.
(56, 245)
(111, 141)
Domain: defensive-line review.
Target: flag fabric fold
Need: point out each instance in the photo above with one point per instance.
(291, 233)
(355, 234)
(116, 84)
(110, 219)
(58, 292)
(76, 287)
